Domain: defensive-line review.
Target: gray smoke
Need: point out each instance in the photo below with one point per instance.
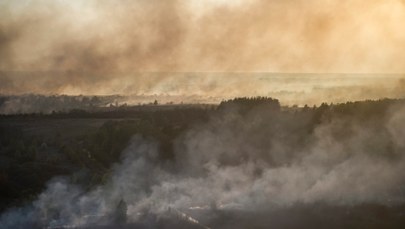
(234, 163)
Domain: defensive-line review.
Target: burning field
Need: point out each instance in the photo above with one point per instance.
(202, 114)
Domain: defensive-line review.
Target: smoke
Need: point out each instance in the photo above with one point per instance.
(240, 162)
(29, 104)
(291, 89)
(100, 47)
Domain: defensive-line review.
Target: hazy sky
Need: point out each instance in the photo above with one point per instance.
(97, 46)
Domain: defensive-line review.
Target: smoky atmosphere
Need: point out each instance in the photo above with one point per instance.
(202, 114)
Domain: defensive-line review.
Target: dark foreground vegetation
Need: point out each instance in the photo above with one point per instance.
(84, 146)
(36, 147)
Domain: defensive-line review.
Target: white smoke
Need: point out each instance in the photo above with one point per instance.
(226, 164)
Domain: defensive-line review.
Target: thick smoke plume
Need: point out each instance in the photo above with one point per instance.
(248, 162)
(101, 47)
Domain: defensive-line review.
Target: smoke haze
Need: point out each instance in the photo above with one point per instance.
(105, 47)
(55, 55)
